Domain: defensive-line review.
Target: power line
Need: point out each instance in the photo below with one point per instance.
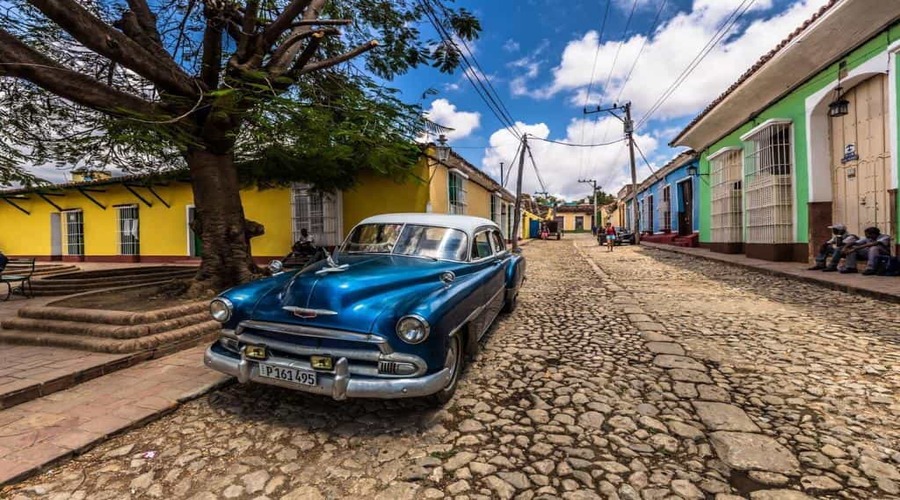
(662, 6)
(587, 96)
(716, 38)
(619, 48)
(579, 145)
(482, 85)
(536, 172)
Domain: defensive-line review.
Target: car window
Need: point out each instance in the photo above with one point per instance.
(372, 238)
(433, 242)
(497, 242)
(482, 246)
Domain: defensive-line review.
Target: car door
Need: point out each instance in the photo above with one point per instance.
(491, 273)
(501, 258)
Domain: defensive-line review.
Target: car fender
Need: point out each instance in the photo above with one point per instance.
(515, 272)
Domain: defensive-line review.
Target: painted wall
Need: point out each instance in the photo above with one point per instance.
(672, 179)
(569, 220)
(375, 194)
(793, 107)
(162, 231)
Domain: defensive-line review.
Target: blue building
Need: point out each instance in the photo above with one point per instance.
(668, 202)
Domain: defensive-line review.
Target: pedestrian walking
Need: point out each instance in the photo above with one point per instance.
(610, 236)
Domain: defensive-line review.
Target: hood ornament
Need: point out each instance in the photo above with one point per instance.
(305, 313)
(332, 267)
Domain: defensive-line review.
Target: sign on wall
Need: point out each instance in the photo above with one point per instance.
(850, 153)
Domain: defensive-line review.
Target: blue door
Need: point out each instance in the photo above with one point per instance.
(534, 228)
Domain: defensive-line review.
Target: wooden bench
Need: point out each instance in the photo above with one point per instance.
(17, 277)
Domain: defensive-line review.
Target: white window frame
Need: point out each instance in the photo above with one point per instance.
(458, 204)
(768, 184)
(665, 208)
(319, 212)
(726, 193)
(68, 235)
(128, 233)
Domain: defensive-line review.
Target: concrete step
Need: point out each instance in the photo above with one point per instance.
(205, 331)
(102, 330)
(112, 317)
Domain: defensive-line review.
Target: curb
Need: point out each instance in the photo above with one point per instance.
(181, 400)
(38, 390)
(873, 294)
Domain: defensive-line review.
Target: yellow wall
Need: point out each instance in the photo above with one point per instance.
(569, 220)
(439, 189)
(375, 195)
(479, 200)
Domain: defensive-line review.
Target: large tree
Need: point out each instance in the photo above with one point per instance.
(232, 90)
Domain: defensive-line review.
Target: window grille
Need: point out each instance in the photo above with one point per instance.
(316, 212)
(496, 203)
(128, 230)
(504, 219)
(647, 214)
(665, 209)
(74, 228)
(457, 184)
(727, 202)
(767, 180)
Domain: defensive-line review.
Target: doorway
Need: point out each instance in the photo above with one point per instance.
(685, 208)
(195, 244)
(860, 165)
(56, 236)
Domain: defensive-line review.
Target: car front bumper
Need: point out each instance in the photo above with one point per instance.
(339, 384)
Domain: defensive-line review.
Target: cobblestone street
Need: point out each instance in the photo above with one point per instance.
(636, 374)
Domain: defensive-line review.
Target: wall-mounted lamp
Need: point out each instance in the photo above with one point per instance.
(840, 106)
(694, 172)
(443, 150)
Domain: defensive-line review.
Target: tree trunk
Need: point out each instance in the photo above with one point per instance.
(220, 222)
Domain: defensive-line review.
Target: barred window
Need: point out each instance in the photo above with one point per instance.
(317, 212)
(665, 209)
(128, 230)
(727, 201)
(74, 232)
(457, 185)
(496, 201)
(768, 184)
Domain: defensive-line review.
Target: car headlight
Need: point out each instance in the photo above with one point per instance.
(413, 329)
(220, 309)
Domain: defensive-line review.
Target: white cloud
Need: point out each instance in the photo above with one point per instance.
(561, 166)
(511, 45)
(667, 53)
(463, 123)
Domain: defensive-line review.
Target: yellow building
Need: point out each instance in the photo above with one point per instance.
(575, 218)
(142, 219)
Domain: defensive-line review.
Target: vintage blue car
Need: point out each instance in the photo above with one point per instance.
(393, 313)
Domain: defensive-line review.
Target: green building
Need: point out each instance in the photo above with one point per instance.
(806, 137)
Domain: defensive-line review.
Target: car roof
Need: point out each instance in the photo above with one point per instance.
(465, 223)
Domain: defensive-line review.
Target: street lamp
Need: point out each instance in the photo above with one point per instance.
(443, 150)
(840, 106)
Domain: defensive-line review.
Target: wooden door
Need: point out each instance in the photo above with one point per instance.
(861, 159)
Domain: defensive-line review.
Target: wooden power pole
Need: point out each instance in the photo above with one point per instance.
(518, 210)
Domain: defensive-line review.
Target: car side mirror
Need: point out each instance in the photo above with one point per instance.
(275, 267)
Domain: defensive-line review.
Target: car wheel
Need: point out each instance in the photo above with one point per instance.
(454, 361)
(509, 305)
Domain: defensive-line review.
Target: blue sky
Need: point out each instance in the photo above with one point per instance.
(540, 54)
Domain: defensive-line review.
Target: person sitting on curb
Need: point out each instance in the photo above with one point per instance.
(833, 248)
(873, 246)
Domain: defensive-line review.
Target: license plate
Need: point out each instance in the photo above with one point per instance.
(294, 375)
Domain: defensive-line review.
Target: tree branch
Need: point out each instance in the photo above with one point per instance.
(21, 61)
(308, 52)
(284, 54)
(327, 63)
(116, 46)
(248, 30)
(323, 22)
(283, 21)
(146, 19)
(296, 38)
(211, 62)
(131, 26)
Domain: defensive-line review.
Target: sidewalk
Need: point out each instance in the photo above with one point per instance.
(44, 431)
(878, 287)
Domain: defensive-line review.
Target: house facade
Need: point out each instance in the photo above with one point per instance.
(806, 138)
(575, 218)
(143, 219)
(667, 200)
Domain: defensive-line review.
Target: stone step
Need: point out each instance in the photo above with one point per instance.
(112, 317)
(205, 331)
(62, 280)
(80, 328)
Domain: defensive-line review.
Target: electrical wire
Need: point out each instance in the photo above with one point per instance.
(536, 171)
(716, 38)
(599, 144)
(587, 96)
(650, 32)
(619, 48)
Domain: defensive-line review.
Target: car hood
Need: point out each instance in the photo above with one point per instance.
(353, 298)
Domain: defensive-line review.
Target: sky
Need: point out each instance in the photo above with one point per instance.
(544, 56)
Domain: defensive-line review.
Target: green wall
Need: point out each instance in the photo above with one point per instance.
(793, 107)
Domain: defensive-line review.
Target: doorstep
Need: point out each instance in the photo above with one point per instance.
(885, 288)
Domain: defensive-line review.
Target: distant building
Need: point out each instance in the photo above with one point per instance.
(668, 199)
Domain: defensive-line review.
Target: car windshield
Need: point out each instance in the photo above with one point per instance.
(409, 239)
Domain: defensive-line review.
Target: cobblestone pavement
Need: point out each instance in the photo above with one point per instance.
(642, 376)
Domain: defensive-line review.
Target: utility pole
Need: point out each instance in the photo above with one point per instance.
(503, 184)
(518, 211)
(593, 183)
(629, 136)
